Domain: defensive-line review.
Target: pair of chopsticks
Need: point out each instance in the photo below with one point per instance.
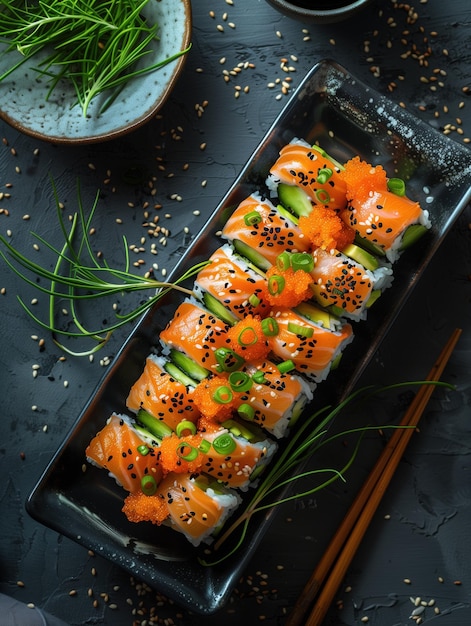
(320, 590)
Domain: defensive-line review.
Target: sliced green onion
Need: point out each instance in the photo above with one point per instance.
(246, 411)
(250, 340)
(323, 175)
(397, 186)
(148, 485)
(204, 446)
(323, 196)
(254, 300)
(224, 444)
(184, 426)
(240, 381)
(259, 377)
(228, 360)
(300, 329)
(143, 449)
(269, 327)
(192, 453)
(276, 284)
(302, 261)
(286, 366)
(252, 218)
(283, 260)
(223, 395)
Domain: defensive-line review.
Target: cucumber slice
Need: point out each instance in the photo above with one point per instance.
(190, 367)
(364, 258)
(252, 255)
(315, 314)
(294, 199)
(179, 375)
(153, 442)
(412, 234)
(156, 427)
(218, 309)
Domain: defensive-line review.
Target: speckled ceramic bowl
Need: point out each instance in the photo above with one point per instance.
(320, 11)
(23, 101)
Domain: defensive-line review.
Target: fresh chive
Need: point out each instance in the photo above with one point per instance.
(79, 277)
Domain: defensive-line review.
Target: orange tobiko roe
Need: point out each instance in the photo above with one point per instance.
(203, 398)
(361, 178)
(296, 288)
(141, 508)
(173, 448)
(325, 229)
(248, 340)
(207, 425)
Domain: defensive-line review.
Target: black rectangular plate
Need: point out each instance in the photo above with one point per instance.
(347, 118)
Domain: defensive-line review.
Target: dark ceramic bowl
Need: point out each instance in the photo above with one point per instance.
(320, 11)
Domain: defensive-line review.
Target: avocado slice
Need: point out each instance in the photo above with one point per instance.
(374, 295)
(286, 214)
(294, 199)
(361, 256)
(315, 314)
(412, 234)
(250, 432)
(369, 245)
(328, 156)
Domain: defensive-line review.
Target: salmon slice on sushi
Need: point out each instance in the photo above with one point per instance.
(196, 333)
(258, 224)
(195, 506)
(346, 286)
(305, 175)
(276, 399)
(161, 395)
(128, 455)
(305, 345)
(378, 210)
(233, 456)
(234, 283)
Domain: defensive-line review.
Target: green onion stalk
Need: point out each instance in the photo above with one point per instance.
(276, 484)
(95, 46)
(78, 276)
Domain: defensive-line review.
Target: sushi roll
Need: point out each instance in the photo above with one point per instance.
(310, 347)
(196, 333)
(257, 224)
(346, 286)
(306, 175)
(277, 399)
(196, 506)
(130, 458)
(234, 283)
(387, 221)
(161, 395)
(233, 459)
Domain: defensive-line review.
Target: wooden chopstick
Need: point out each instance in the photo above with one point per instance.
(347, 539)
